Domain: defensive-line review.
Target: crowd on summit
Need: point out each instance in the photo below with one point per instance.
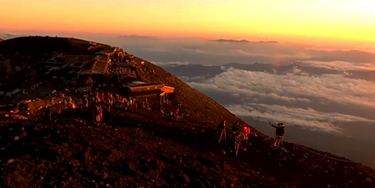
(99, 102)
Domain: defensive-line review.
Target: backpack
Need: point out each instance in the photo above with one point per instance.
(235, 127)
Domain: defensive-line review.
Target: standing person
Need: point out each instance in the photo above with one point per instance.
(94, 112)
(97, 99)
(221, 131)
(280, 133)
(93, 99)
(101, 113)
(59, 108)
(238, 137)
(48, 113)
(147, 103)
(65, 103)
(118, 101)
(235, 129)
(124, 102)
(86, 102)
(246, 132)
(102, 96)
(109, 99)
(97, 113)
(111, 102)
(128, 104)
(135, 106)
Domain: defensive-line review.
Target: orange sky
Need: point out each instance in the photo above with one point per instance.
(307, 21)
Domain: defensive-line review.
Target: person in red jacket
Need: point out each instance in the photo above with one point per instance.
(246, 132)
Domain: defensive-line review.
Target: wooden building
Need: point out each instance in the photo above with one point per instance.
(137, 89)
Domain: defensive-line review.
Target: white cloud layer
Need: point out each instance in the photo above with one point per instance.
(309, 118)
(291, 88)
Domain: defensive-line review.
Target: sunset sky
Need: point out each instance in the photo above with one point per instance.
(288, 20)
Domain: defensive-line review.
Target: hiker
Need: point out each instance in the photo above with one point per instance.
(80, 102)
(97, 113)
(235, 127)
(97, 99)
(246, 132)
(101, 113)
(280, 133)
(235, 130)
(238, 137)
(124, 102)
(93, 99)
(143, 104)
(59, 108)
(94, 113)
(65, 103)
(118, 101)
(221, 131)
(86, 102)
(135, 106)
(102, 96)
(146, 102)
(48, 113)
(128, 104)
(109, 103)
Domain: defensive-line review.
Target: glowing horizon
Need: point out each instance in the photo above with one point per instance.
(308, 21)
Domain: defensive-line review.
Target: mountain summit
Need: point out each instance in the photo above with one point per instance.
(67, 121)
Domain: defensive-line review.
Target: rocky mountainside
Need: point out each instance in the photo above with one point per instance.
(148, 146)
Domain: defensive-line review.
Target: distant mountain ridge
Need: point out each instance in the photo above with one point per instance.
(141, 37)
(244, 41)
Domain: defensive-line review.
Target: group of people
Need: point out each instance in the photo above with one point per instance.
(108, 100)
(99, 102)
(240, 133)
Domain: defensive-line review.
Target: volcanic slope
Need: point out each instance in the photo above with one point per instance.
(146, 148)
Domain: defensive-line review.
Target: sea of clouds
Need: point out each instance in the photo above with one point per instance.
(315, 102)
